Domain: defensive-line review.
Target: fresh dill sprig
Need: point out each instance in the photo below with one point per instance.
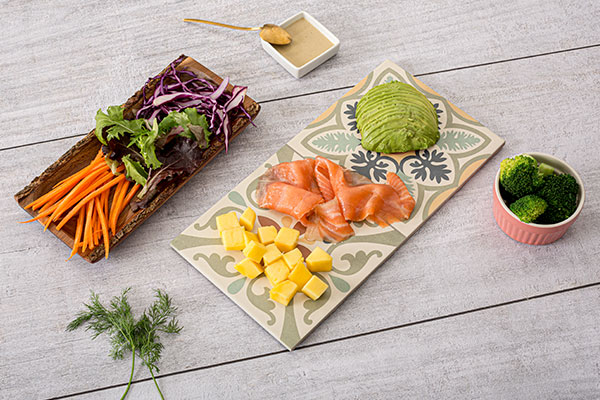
(126, 334)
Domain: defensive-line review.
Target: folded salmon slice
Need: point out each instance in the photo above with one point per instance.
(383, 204)
(299, 174)
(323, 196)
(288, 199)
(328, 223)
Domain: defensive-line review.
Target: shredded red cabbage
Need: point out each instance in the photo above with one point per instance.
(177, 90)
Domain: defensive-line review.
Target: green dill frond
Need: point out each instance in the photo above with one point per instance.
(126, 334)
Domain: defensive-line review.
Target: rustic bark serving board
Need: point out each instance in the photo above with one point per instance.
(82, 153)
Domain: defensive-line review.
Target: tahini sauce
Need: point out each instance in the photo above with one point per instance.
(307, 43)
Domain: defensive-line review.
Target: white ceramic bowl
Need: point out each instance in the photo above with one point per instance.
(299, 72)
(536, 233)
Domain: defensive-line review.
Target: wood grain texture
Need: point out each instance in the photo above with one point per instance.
(458, 261)
(533, 350)
(65, 60)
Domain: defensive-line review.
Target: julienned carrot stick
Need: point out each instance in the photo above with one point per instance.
(94, 224)
(48, 197)
(90, 196)
(46, 206)
(62, 203)
(130, 195)
(43, 206)
(97, 178)
(98, 225)
(65, 185)
(83, 244)
(87, 229)
(99, 208)
(87, 193)
(89, 225)
(50, 201)
(87, 185)
(104, 202)
(66, 204)
(95, 230)
(113, 206)
(54, 194)
(42, 214)
(115, 216)
(95, 162)
(78, 231)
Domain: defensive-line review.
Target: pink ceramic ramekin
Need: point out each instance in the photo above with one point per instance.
(536, 233)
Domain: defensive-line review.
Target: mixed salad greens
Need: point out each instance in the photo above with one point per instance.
(172, 129)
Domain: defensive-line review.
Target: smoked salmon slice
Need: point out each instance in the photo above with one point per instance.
(383, 204)
(288, 199)
(296, 173)
(328, 223)
(324, 196)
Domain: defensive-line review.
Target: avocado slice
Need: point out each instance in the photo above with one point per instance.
(395, 117)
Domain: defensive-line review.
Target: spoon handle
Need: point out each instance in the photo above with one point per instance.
(241, 28)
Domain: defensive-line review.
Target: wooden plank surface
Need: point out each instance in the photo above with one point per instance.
(538, 349)
(434, 274)
(63, 61)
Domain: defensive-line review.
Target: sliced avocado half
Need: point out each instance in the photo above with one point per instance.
(395, 117)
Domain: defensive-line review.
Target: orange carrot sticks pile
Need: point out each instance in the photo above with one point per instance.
(86, 195)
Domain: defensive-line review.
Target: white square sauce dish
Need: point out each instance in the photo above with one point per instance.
(312, 44)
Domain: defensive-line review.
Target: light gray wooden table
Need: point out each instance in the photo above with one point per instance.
(460, 310)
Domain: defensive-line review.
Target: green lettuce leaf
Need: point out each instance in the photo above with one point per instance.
(117, 126)
(195, 127)
(199, 120)
(144, 140)
(173, 120)
(194, 124)
(134, 171)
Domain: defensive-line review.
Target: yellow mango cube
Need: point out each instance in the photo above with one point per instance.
(300, 274)
(233, 239)
(247, 219)
(273, 254)
(249, 268)
(287, 239)
(314, 288)
(227, 221)
(291, 258)
(250, 236)
(283, 292)
(277, 272)
(267, 234)
(319, 261)
(255, 251)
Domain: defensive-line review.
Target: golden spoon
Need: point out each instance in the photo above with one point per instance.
(271, 33)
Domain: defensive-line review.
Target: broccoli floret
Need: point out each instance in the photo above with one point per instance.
(546, 169)
(520, 176)
(560, 192)
(528, 208)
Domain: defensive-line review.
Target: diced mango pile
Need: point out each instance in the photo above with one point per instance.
(274, 253)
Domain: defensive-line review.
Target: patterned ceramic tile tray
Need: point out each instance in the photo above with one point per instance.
(431, 175)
